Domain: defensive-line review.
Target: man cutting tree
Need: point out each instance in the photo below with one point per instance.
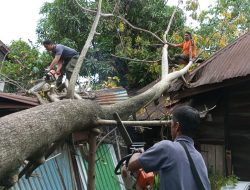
(64, 57)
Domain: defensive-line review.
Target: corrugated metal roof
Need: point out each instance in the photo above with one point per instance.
(19, 98)
(105, 165)
(154, 111)
(55, 174)
(111, 95)
(103, 97)
(232, 61)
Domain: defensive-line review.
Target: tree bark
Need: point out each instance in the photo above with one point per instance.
(30, 132)
(24, 133)
(72, 82)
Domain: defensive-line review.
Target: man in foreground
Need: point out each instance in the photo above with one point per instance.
(170, 159)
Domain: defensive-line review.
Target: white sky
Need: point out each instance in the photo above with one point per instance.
(18, 18)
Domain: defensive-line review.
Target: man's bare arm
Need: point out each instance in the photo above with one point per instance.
(134, 163)
(54, 61)
(172, 45)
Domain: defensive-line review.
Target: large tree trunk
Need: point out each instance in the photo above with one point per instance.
(25, 133)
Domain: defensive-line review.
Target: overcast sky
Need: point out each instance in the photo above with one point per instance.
(19, 18)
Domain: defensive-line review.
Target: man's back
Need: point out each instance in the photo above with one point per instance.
(169, 158)
(64, 51)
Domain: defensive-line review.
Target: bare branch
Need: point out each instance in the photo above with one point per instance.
(164, 65)
(133, 104)
(132, 123)
(170, 22)
(124, 20)
(137, 60)
(13, 82)
(72, 82)
(104, 137)
(39, 97)
(140, 29)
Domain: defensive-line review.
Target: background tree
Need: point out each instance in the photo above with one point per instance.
(24, 66)
(220, 24)
(115, 38)
(68, 116)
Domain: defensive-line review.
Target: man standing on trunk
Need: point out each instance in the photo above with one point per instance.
(64, 57)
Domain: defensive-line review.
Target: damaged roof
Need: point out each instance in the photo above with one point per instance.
(4, 48)
(19, 101)
(230, 62)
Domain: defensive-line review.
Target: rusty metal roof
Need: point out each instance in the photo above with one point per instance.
(111, 95)
(154, 111)
(29, 101)
(103, 97)
(231, 62)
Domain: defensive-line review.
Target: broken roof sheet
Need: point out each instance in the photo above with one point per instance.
(19, 98)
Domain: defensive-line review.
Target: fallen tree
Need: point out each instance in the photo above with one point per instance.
(27, 135)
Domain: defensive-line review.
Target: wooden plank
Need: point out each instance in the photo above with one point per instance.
(204, 153)
(220, 157)
(213, 156)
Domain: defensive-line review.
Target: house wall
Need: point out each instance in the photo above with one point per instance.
(214, 158)
(210, 137)
(238, 129)
(228, 126)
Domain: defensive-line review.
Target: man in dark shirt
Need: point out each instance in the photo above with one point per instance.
(170, 159)
(64, 57)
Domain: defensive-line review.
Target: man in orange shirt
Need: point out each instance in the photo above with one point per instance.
(188, 47)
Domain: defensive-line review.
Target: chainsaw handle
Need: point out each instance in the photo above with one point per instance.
(118, 166)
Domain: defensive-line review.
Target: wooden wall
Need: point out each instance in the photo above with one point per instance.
(214, 157)
(238, 129)
(229, 127)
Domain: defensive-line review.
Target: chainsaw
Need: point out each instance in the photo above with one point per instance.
(49, 77)
(139, 180)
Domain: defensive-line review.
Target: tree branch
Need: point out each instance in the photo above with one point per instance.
(11, 81)
(124, 20)
(105, 136)
(132, 105)
(164, 65)
(137, 60)
(131, 123)
(170, 22)
(72, 82)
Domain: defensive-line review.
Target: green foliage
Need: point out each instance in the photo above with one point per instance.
(156, 182)
(63, 19)
(64, 22)
(218, 181)
(111, 82)
(221, 24)
(24, 64)
(152, 15)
